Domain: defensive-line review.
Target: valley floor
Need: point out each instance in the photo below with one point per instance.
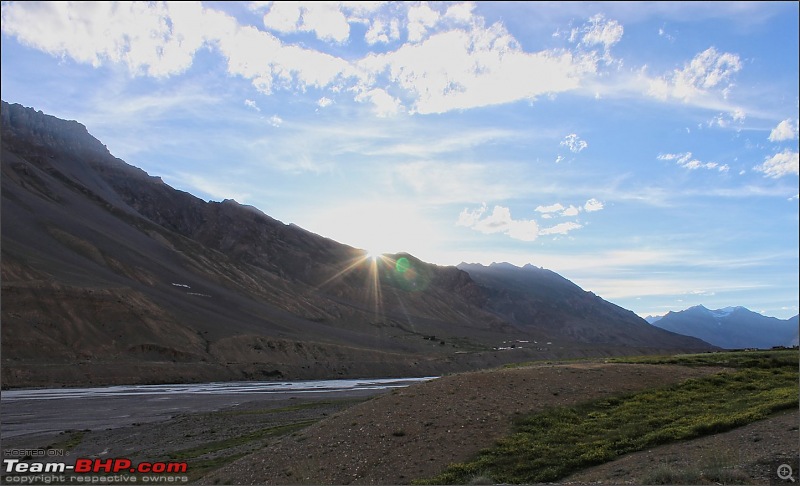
(415, 432)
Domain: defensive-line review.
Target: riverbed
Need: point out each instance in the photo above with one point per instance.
(45, 412)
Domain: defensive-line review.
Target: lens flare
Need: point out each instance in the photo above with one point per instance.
(402, 265)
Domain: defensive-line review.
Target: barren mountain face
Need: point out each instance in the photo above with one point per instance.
(109, 275)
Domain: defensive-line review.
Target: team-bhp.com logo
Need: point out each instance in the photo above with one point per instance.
(120, 468)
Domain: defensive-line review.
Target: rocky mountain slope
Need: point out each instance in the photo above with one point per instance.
(732, 327)
(109, 275)
(534, 299)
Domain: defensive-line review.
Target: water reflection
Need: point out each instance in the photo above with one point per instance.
(216, 388)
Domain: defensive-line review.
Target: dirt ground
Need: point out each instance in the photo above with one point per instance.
(417, 431)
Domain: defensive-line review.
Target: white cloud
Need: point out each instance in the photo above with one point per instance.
(707, 70)
(324, 19)
(663, 33)
(460, 12)
(553, 208)
(686, 161)
(781, 164)
(324, 102)
(470, 218)
(283, 16)
(262, 58)
(454, 60)
(383, 31)
(786, 130)
(599, 32)
(384, 104)
(574, 143)
(548, 211)
(153, 39)
(275, 121)
(560, 229)
(499, 221)
(420, 18)
(160, 39)
(571, 211)
(593, 205)
(724, 120)
(251, 104)
(477, 66)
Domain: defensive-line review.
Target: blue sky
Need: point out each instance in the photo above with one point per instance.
(646, 151)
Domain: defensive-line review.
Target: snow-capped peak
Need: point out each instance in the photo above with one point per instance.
(722, 313)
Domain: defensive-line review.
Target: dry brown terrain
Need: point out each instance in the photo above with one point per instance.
(416, 432)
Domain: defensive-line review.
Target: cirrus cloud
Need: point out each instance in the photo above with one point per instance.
(686, 161)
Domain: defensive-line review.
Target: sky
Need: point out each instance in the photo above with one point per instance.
(646, 151)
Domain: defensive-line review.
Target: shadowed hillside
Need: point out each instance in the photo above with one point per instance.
(124, 279)
(533, 298)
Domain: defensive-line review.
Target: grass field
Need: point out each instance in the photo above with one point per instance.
(550, 445)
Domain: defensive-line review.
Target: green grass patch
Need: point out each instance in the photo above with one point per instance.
(552, 444)
(221, 445)
(718, 469)
(766, 359)
(199, 466)
(72, 440)
(289, 408)
(550, 361)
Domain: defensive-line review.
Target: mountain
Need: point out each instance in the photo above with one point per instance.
(109, 275)
(540, 301)
(732, 327)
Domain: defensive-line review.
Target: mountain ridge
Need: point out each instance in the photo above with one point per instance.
(126, 280)
(530, 296)
(733, 327)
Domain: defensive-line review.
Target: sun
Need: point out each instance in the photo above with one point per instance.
(373, 255)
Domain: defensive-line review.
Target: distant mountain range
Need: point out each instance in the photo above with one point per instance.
(731, 327)
(109, 275)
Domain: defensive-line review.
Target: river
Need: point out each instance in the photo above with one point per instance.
(46, 411)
